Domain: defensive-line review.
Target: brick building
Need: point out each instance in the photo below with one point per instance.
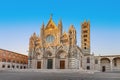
(12, 60)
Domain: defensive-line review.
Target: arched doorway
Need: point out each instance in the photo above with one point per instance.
(49, 59)
(39, 65)
(49, 63)
(62, 64)
(116, 63)
(39, 62)
(105, 64)
(61, 59)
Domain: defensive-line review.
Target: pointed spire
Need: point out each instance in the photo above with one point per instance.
(34, 34)
(51, 16)
(85, 20)
(60, 22)
(71, 27)
(89, 22)
(43, 25)
(31, 37)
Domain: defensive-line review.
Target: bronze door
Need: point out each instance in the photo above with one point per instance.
(49, 64)
(62, 64)
(39, 65)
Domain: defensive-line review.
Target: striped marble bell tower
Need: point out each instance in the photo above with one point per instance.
(85, 37)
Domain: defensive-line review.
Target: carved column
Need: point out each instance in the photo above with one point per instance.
(99, 63)
(54, 63)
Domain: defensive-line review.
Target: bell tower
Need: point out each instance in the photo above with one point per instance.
(85, 37)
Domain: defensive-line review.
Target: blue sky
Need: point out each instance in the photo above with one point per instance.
(20, 18)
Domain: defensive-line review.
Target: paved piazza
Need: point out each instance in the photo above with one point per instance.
(59, 76)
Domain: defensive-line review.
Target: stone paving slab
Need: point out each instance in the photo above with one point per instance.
(63, 75)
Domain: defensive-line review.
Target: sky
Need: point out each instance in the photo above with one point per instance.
(19, 19)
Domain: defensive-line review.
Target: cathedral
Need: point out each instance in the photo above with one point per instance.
(55, 49)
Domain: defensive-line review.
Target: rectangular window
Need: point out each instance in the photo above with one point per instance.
(88, 67)
(96, 61)
(88, 60)
(8, 66)
(3, 66)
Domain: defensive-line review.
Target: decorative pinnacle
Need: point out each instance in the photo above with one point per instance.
(60, 21)
(43, 24)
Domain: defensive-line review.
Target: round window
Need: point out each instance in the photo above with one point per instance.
(50, 38)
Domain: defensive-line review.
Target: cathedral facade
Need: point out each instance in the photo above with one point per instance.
(55, 49)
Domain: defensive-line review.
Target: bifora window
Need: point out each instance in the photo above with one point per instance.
(85, 31)
(85, 36)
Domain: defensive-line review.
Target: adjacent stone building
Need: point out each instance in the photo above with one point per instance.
(55, 49)
(12, 60)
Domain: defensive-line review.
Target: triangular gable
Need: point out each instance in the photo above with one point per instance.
(51, 25)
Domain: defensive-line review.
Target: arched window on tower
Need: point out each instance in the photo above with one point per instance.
(85, 39)
(88, 60)
(85, 44)
(84, 47)
(84, 26)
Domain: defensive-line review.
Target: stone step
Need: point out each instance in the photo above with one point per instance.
(50, 70)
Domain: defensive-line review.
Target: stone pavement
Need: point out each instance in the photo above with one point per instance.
(57, 75)
(49, 70)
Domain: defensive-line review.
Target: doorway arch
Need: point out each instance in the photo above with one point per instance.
(105, 64)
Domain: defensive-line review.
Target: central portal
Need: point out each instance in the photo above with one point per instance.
(62, 64)
(49, 64)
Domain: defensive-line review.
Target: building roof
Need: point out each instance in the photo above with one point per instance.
(13, 52)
